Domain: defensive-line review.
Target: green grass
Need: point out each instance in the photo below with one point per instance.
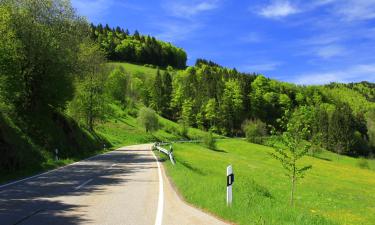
(123, 129)
(335, 191)
(135, 69)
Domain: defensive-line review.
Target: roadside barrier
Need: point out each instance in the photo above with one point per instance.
(165, 151)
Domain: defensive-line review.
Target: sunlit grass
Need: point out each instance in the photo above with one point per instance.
(335, 191)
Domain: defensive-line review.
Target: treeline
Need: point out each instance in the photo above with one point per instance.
(210, 97)
(120, 45)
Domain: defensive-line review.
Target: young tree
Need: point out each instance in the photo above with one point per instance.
(117, 85)
(293, 150)
(157, 93)
(148, 119)
(254, 130)
(89, 102)
(167, 94)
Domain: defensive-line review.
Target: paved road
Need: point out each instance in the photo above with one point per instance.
(126, 186)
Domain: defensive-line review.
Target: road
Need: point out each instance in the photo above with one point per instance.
(126, 186)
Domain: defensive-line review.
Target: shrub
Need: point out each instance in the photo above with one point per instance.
(254, 130)
(363, 163)
(148, 119)
(209, 141)
(184, 129)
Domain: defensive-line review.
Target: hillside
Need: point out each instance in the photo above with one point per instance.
(335, 191)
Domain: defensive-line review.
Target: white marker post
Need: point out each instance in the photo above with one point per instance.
(230, 180)
(56, 154)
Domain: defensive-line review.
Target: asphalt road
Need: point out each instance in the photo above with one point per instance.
(126, 186)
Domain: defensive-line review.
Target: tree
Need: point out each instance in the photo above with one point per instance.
(89, 104)
(341, 129)
(167, 94)
(157, 93)
(254, 130)
(117, 85)
(293, 150)
(40, 40)
(148, 119)
(209, 141)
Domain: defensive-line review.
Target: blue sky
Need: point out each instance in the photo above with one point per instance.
(301, 41)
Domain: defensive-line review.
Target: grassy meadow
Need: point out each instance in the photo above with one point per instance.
(335, 191)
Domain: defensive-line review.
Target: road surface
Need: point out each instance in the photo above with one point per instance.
(126, 186)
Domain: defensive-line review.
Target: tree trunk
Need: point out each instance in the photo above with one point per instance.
(293, 187)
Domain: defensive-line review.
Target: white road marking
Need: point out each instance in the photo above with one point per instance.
(112, 166)
(86, 182)
(159, 214)
(45, 173)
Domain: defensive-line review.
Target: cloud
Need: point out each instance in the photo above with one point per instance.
(92, 9)
(353, 10)
(174, 31)
(188, 9)
(329, 51)
(260, 67)
(252, 37)
(357, 73)
(278, 9)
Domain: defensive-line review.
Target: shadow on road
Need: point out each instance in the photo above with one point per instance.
(38, 200)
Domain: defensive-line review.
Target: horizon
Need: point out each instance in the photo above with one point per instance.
(294, 41)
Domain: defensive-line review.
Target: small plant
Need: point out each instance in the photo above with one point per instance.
(209, 141)
(363, 163)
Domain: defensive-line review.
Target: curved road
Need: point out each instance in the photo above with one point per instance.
(126, 186)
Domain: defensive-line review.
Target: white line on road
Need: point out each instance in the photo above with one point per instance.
(80, 186)
(159, 214)
(112, 166)
(45, 173)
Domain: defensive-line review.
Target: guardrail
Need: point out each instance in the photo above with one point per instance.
(165, 151)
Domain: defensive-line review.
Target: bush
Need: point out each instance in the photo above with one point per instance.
(254, 130)
(363, 163)
(184, 129)
(148, 119)
(209, 141)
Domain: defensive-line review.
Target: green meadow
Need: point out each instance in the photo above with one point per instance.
(335, 191)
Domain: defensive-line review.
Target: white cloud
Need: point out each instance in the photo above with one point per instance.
(188, 9)
(252, 37)
(174, 31)
(260, 67)
(278, 9)
(92, 9)
(363, 72)
(353, 10)
(327, 52)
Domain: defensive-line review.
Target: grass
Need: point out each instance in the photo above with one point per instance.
(135, 69)
(123, 129)
(335, 191)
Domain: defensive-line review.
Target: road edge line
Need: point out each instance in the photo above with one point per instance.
(159, 213)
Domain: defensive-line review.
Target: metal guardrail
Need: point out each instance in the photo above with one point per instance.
(165, 151)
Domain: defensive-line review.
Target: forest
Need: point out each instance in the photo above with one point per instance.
(56, 86)
(120, 45)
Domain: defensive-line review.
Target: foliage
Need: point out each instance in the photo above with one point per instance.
(148, 119)
(121, 46)
(254, 130)
(288, 155)
(209, 141)
(89, 104)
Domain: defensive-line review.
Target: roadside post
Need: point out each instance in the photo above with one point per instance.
(230, 180)
(56, 154)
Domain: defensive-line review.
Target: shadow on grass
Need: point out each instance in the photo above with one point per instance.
(190, 167)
